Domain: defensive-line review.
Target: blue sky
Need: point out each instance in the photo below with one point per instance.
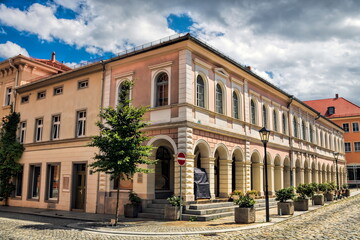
(309, 49)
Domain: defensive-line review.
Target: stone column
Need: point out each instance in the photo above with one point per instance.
(279, 177)
(240, 176)
(258, 178)
(320, 176)
(187, 178)
(247, 176)
(225, 178)
(271, 179)
(208, 164)
(293, 176)
(309, 175)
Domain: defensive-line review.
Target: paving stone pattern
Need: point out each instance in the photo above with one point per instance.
(340, 220)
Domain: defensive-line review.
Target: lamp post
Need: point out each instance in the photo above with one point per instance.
(336, 156)
(264, 136)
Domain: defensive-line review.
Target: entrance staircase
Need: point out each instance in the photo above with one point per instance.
(204, 210)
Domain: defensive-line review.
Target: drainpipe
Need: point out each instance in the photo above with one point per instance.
(101, 107)
(11, 62)
(290, 141)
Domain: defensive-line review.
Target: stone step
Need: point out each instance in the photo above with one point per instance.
(187, 217)
(210, 205)
(153, 210)
(156, 205)
(151, 216)
(160, 201)
(209, 211)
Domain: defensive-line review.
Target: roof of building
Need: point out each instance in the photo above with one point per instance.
(53, 63)
(342, 107)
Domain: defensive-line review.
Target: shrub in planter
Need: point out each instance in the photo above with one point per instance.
(318, 199)
(301, 204)
(235, 195)
(132, 209)
(304, 191)
(252, 193)
(172, 212)
(346, 190)
(329, 193)
(322, 187)
(245, 213)
(282, 195)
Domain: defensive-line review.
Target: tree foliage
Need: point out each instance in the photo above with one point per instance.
(10, 153)
(121, 139)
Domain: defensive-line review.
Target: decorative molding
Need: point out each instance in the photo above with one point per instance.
(253, 93)
(161, 65)
(122, 75)
(202, 63)
(222, 72)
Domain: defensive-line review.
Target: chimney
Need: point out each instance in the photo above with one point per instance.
(336, 96)
(249, 67)
(53, 56)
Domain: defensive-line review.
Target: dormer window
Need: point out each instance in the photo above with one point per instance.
(331, 110)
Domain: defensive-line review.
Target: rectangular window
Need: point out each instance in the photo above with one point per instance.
(41, 95)
(53, 180)
(22, 132)
(347, 147)
(58, 90)
(55, 129)
(355, 126)
(81, 123)
(351, 173)
(8, 93)
(25, 99)
(38, 129)
(346, 127)
(83, 84)
(18, 183)
(357, 146)
(34, 183)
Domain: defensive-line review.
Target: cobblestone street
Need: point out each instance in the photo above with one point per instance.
(339, 220)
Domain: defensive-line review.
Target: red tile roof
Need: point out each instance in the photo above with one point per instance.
(343, 107)
(54, 63)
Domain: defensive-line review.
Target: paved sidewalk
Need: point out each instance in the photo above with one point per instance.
(146, 227)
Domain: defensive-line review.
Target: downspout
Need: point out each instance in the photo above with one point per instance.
(101, 107)
(11, 62)
(290, 141)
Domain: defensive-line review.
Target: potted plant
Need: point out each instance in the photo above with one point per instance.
(346, 190)
(245, 213)
(329, 193)
(301, 203)
(318, 198)
(235, 195)
(172, 211)
(252, 193)
(132, 209)
(282, 195)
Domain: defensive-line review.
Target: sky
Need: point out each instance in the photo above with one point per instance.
(310, 49)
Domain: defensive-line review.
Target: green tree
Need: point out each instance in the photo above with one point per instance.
(10, 153)
(121, 141)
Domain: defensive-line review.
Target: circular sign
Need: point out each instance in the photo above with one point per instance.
(181, 159)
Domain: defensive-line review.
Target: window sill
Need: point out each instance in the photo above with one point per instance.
(33, 199)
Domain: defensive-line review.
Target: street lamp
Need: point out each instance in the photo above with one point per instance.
(336, 156)
(264, 136)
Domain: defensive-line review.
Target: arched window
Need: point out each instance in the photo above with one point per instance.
(295, 127)
(200, 92)
(162, 90)
(275, 122)
(284, 123)
(253, 112)
(219, 99)
(311, 134)
(264, 116)
(303, 126)
(121, 90)
(235, 105)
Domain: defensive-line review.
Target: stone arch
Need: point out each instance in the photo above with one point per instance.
(307, 170)
(313, 175)
(286, 172)
(298, 171)
(278, 173)
(221, 171)
(256, 172)
(238, 174)
(201, 151)
(323, 169)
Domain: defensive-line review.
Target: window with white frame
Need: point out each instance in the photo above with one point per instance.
(264, 111)
(284, 127)
(83, 84)
(38, 129)
(346, 127)
(55, 127)
(235, 105)
(200, 92)
(347, 147)
(162, 90)
(295, 127)
(34, 183)
(303, 126)
(25, 99)
(311, 134)
(219, 99)
(58, 90)
(81, 123)
(122, 89)
(22, 132)
(53, 180)
(357, 146)
(8, 93)
(41, 95)
(355, 126)
(18, 182)
(275, 121)
(253, 111)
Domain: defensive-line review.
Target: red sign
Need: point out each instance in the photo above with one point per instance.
(181, 159)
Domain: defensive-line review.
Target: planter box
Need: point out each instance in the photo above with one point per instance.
(301, 205)
(287, 208)
(172, 212)
(131, 211)
(329, 196)
(245, 215)
(318, 199)
(347, 193)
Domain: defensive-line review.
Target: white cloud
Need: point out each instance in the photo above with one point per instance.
(312, 50)
(10, 49)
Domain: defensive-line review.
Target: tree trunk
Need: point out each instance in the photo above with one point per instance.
(117, 202)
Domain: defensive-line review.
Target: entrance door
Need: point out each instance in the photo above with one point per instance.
(163, 174)
(79, 186)
(217, 176)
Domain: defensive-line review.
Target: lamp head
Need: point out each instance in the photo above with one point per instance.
(264, 135)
